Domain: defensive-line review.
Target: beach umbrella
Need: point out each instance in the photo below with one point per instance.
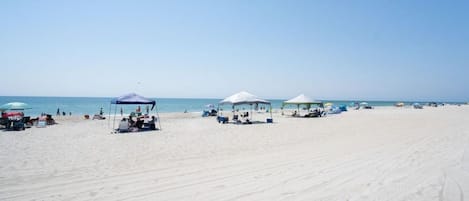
(15, 106)
(328, 104)
(363, 103)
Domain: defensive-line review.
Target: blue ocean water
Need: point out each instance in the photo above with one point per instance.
(92, 105)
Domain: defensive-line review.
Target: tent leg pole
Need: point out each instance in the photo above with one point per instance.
(158, 116)
(109, 119)
(114, 121)
(250, 116)
(233, 110)
(271, 111)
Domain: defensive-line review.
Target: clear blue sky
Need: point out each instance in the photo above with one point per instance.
(375, 50)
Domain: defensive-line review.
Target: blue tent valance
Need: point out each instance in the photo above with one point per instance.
(132, 98)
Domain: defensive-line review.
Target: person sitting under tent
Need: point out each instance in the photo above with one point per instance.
(245, 114)
(139, 123)
(123, 125)
(152, 123)
(236, 119)
(131, 121)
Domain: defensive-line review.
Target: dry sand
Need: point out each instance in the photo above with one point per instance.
(381, 154)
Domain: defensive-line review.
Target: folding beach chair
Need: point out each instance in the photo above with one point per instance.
(26, 121)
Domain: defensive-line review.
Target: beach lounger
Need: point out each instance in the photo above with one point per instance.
(27, 122)
(4, 122)
(18, 125)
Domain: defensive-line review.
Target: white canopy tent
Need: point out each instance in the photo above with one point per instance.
(302, 100)
(245, 98)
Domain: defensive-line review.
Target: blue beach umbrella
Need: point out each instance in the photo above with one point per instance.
(14, 106)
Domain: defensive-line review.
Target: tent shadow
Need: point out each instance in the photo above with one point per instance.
(136, 132)
(251, 122)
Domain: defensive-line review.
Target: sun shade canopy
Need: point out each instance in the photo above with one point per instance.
(302, 99)
(243, 98)
(133, 98)
(14, 106)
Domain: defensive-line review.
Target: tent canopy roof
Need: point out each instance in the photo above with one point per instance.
(243, 98)
(301, 99)
(132, 98)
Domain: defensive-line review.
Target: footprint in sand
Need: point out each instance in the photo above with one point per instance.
(92, 194)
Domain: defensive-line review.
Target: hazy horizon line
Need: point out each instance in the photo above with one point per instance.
(321, 99)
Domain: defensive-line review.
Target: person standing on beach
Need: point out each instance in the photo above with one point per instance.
(122, 112)
(101, 112)
(58, 112)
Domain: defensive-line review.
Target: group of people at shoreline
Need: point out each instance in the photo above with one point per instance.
(63, 113)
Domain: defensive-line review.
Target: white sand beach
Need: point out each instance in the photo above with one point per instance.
(382, 154)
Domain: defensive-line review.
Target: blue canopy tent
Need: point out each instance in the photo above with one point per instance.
(132, 99)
